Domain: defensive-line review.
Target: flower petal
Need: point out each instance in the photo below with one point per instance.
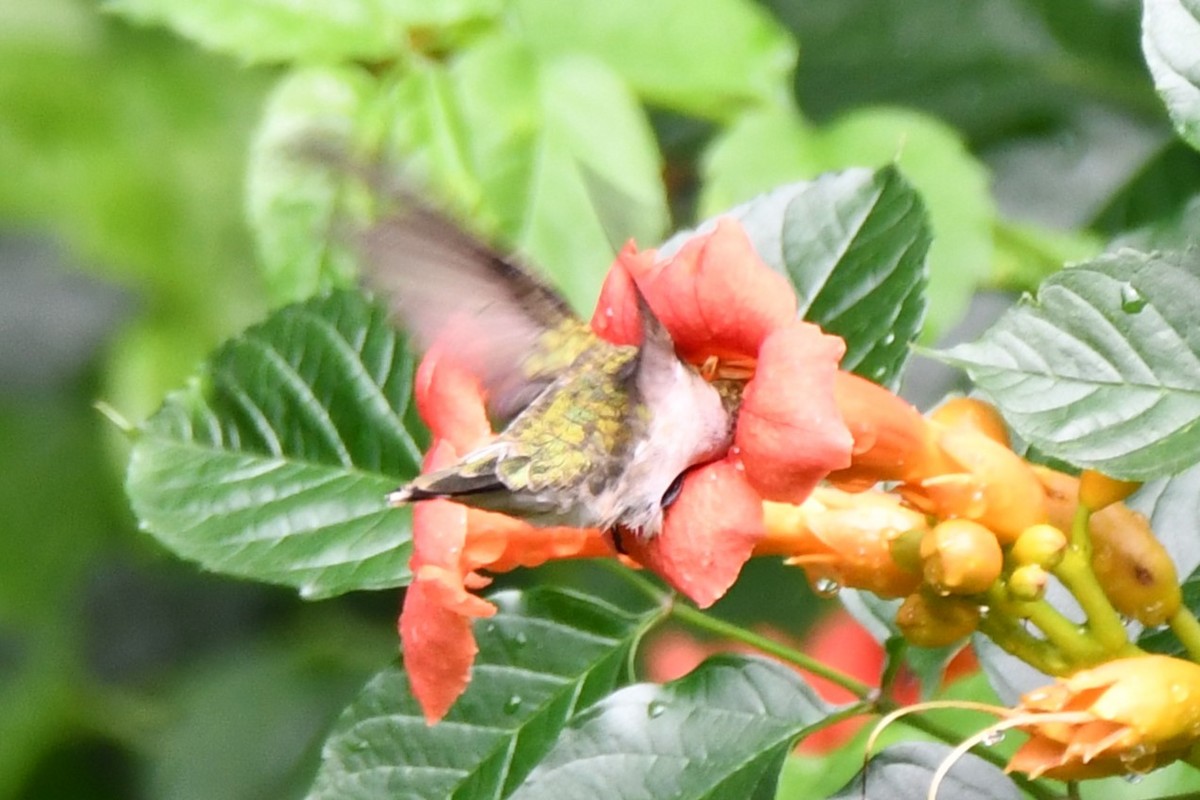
(617, 318)
(708, 534)
(715, 296)
(438, 643)
(789, 431)
(451, 401)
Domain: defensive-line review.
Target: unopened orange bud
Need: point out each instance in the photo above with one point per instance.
(961, 557)
(1042, 545)
(991, 485)
(1134, 568)
(844, 539)
(892, 441)
(972, 414)
(1062, 495)
(1127, 715)
(1028, 582)
(930, 621)
(1097, 490)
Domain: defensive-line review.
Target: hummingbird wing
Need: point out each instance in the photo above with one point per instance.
(495, 317)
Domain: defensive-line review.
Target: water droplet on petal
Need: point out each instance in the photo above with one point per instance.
(655, 709)
(608, 312)
(1138, 760)
(976, 505)
(1131, 299)
(1179, 692)
(512, 704)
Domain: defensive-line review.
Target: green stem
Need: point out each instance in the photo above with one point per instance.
(1071, 639)
(1081, 536)
(644, 586)
(1015, 640)
(707, 622)
(1075, 572)
(1187, 629)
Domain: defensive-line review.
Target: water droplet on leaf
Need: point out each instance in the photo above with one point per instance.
(521, 639)
(1131, 299)
(512, 704)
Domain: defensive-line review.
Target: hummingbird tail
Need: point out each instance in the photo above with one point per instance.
(446, 484)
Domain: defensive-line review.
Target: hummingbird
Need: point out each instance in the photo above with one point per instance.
(593, 434)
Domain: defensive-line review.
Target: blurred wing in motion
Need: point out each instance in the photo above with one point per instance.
(450, 289)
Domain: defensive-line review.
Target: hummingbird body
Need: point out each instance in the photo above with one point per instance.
(597, 434)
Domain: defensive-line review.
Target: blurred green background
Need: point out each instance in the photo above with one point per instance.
(125, 257)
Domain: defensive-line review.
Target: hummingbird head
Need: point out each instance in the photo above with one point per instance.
(686, 424)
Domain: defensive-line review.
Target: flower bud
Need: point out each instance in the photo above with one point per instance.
(1134, 568)
(989, 484)
(1062, 495)
(1042, 545)
(1028, 582)
(960, 557)
(930, 621)
(973, 414)
(844, 539)
(1097, 490)
(1127, 715)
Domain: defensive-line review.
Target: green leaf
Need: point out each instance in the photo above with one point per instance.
(1157, 191)
(516, 138)
(274, 463)
(259, 712)
(992, 70)
(1102, 370)
(544, 656)
(299, 208)
(853, 244)
(1170, 38)
(722, 731)
(905, 772)
(710, 63)
(1027, 254)
(308, 30)
(763, 148)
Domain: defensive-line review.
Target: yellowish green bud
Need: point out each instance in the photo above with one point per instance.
(1028, 582)
(1042, 545)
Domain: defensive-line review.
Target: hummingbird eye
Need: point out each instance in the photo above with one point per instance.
(672, 492)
